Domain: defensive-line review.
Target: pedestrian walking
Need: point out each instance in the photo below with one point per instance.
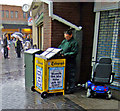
(5, 46)
(69, 48)
(18, 47)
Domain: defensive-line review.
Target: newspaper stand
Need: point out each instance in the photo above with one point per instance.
(49, 73)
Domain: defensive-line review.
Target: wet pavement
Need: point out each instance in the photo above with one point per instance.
(15, 96)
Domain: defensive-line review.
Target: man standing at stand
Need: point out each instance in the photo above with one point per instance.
(69, 52)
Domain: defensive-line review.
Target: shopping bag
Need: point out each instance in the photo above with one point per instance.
(8, 47)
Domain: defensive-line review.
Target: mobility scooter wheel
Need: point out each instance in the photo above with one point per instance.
(88, 92)
(109, 95)
(44, 94)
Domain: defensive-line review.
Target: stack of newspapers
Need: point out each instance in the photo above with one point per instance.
(49, 53)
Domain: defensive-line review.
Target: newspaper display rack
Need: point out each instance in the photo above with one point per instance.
(49, 73)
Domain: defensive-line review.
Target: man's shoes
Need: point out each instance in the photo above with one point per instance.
(69, 92)
(8, 58)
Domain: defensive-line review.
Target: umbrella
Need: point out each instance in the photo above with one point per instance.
(18, 35)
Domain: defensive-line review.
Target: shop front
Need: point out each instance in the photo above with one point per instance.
(107, 37)
(11, 28)
(39, 25)
(9, 31)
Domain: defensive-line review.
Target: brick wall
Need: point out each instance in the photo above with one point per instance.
(87, 22)
(80, 14)
(13, 8)
(68, 11)
(47, 28)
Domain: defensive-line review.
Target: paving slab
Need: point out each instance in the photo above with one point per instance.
(15, 96)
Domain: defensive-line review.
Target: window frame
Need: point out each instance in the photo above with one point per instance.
(3, 12)
(11, 14)
(24, 15)
(16, 14)
(7, 13)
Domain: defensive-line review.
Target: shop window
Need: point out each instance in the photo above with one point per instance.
(40, 37)
(7, 14)
(118, 44)
(105, 35)
(109, 40)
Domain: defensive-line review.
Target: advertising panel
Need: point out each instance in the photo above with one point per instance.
(30, 21)
(39, 73)
(56, 76)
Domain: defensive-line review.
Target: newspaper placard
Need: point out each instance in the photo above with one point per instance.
(39, 73)
(56, 76)
(49, 53)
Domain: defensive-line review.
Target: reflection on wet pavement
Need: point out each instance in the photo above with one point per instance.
(16, 97)
(14, 94)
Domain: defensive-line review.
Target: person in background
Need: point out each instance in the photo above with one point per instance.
(5, 45)
(16, 45)
(28, 38)
(18, 48)
(27, 44)
(31, 41)
(69, 48)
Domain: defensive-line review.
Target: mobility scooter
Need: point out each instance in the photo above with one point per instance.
(102, 76)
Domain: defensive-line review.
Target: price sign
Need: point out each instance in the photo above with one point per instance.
(39, 73)
(56, 75)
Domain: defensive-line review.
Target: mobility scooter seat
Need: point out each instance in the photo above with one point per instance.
(101, 76)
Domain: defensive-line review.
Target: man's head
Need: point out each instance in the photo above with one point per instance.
(27, 36)
(68, 34)
(5, 35)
